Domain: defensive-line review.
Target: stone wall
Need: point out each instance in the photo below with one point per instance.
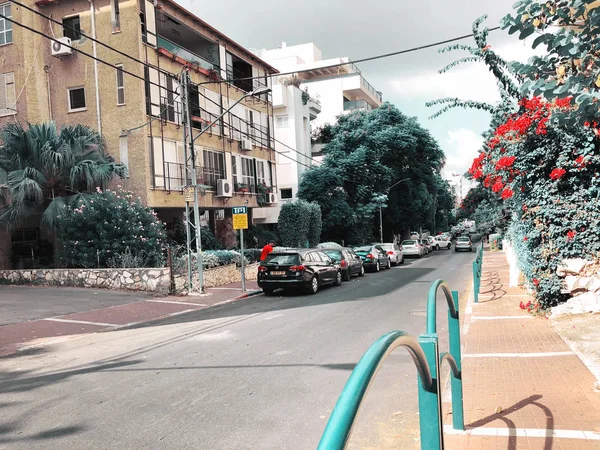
(150, 280)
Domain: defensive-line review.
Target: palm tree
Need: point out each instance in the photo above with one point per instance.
(44, 170)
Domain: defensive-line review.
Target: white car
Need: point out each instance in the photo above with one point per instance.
(442, 242)
(394, 253)
(412, 247)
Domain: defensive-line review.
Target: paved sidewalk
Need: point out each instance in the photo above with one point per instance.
(523, 386)
(18, 336)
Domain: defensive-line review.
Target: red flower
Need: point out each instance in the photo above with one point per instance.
(525, 239)
(506, 194)
(524, 207)
(536, 282)
(564, 102)
(505, 162)
(497, 187)
(487, 47)
(570, 235)
(586, 124)
(557, 173)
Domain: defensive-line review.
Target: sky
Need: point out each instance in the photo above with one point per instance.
(359, 29)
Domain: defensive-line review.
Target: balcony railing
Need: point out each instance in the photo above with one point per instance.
(370, 88)
(175, 49)
(357, 104)
(175, 177)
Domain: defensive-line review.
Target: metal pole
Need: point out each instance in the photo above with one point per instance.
(243, 260)
(188, 237)
(380, 225)
(196, 202)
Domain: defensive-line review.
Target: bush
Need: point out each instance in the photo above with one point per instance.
(299, 222)
(111, 226)
(315, 224)
(252, 254)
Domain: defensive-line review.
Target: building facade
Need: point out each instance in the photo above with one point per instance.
(140, 117)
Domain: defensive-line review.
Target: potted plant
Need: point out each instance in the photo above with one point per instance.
(241, 187)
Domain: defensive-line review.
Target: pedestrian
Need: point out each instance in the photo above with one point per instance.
(266, 250)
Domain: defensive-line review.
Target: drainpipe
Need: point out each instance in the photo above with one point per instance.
(93, 15)
(47, 70)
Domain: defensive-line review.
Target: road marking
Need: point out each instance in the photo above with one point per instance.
(175, 303)
(500, 317)
(84, 322)
(516, 355)
(527, 432)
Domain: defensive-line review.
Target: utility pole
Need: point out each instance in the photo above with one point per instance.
(185, 106)
(380, 225)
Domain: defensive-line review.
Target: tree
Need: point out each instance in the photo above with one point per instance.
(472, 200)
(365, 154)
(108, 227)
(48, 171)
(299, 223)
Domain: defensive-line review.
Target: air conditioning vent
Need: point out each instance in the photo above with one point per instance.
(61, 47)
(224, 188)
(246, 144)
(271, 198)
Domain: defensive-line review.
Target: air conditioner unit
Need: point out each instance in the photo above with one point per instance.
(271, 198)
(224, 188)
(59, 47)
(246, 144)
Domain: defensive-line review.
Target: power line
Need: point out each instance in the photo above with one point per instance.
(358, 61)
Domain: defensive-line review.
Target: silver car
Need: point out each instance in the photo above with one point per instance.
(463, 243)
(442, 242)
(427, 246)
(412, 247)
(394, 253)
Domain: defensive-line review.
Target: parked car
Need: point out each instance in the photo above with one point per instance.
(350, 263)
(463, 243)
(426, 246)
(373, 257)
(306, 269)
(442, 242)
(412, 247)
(394, 252)
(431, 242)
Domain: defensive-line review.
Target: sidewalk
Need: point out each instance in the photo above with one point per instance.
(18, 336)
(523, 386)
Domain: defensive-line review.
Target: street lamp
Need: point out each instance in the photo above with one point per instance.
(184, 84)
(380, 213)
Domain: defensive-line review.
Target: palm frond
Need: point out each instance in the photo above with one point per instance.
(55, 210)
(11, 217)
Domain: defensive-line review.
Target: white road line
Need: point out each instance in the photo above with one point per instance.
(84, 322)
(527, 432)
(500, 317)
(175, 303)
(517, 355)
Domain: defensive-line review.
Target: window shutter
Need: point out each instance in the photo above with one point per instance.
(3, 109)
(150, 24)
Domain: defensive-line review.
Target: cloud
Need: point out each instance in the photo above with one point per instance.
(461, 147)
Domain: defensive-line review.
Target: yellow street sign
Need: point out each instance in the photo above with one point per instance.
(240, 221)
(188, 194)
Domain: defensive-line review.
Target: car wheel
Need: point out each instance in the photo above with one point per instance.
(346, 275)
(314, 285)
(362, 271)
(268, 292)
(389, 264)
(437, 247)
(402, 260)
(338, 278)
(377, 267)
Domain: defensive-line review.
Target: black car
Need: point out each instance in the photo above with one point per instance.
(306, 269)
(374, 257)
(350, 263)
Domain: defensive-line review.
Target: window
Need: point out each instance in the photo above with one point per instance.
(248, 171)
(286, 194)
(115, 15)
(282, 121)
(7, 94)
(5, 25)
(120, 85)
(260, 172)
(72, 28)
(234, 169)
(76, 99)
(214, 167)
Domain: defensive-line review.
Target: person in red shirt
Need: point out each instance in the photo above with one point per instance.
(266, 250)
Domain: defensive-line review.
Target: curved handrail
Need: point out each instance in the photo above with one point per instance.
(432, 301)
(341, 421)
(445, 356)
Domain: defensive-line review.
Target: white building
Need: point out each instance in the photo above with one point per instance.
(293, 111)
(460, 185)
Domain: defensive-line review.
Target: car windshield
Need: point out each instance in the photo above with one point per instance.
(387, 246)
(463, 239)
(363, 249)
(408, 242)
(334, 254)
(283, 259)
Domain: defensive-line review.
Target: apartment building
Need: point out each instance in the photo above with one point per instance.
(42, 80)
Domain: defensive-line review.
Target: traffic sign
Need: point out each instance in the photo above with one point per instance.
(240, 217)
(239, 210)
(188, 194)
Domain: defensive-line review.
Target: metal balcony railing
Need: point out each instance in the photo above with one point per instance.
(175, 177)
(357, 104)
(177, 50)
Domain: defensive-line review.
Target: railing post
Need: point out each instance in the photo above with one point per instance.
(430, 402)
(458, 420)
(475, 283)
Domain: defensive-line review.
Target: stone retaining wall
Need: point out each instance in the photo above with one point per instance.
(150, 280)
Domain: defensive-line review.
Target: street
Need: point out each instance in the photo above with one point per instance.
(258, 373)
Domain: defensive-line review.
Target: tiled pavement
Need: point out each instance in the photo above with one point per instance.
(17, 336)
(517, 364)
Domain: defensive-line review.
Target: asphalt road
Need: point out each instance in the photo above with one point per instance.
(262, 373)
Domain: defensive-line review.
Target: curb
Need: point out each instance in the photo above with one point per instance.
(248, 294)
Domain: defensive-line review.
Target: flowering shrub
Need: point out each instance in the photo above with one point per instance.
(107, 225)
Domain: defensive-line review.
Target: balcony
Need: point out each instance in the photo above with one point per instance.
(186, 55)
(175, 177)
(371, 89)
(357, 104)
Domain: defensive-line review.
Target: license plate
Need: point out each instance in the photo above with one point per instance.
(278, 272)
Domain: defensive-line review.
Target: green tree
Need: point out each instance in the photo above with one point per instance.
(294, 223)
(47, 170)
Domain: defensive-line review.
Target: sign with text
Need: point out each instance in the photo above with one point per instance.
(240, 218)
(188, 194)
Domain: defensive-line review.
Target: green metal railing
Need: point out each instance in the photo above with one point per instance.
(427, 358)
(477, 268)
